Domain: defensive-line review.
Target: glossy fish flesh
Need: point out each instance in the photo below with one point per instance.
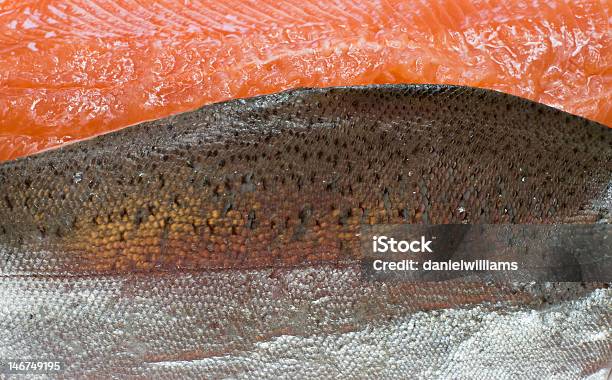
(73, 70)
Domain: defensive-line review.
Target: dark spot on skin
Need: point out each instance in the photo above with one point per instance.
(251, 220)
(226, 208)
(139, 217)
(8, 202)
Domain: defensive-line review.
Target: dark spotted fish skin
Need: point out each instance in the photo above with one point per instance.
(221, 243)
(288, 179)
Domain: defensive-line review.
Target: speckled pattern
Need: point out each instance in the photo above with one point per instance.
(288, 179)
(221, 243)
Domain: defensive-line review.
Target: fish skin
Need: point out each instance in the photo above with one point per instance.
(322, 322)
(69, 71)
(287, 179)
(189, 313)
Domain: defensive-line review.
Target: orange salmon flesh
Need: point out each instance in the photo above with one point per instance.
(69, 71)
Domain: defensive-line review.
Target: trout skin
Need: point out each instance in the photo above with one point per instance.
(288, 179)
(223, 242)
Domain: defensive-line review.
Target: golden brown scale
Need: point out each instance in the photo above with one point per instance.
(288, 179)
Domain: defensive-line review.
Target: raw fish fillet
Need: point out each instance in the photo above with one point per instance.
(224, 242)
(72, 70)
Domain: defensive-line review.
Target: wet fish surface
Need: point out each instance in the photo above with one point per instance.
(223, 242)
(70, 71)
